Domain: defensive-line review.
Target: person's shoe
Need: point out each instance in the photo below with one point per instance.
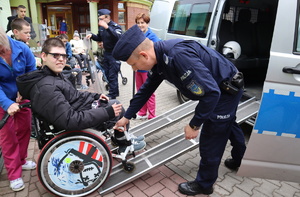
(231, 164)
(17, 184)
(81, 87)
(29, 165)
(137, 146)
(138, 117)
(192, 188)
(136, 138)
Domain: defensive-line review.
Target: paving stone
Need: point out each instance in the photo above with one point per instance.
(124, 188)
(247, 185)
(141, 184)
(286, 190)
(266, 188)
(238, 193)
(228, 183)
(154, 179)
(135, 191)
(166, 171)
(124, 194)
(154, 189)
(170, 184)
(220, 190)
(168, 193)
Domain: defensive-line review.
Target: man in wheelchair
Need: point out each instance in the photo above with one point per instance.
(55, 100)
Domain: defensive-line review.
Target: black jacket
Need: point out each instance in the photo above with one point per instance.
(55, 100)
(11, 18)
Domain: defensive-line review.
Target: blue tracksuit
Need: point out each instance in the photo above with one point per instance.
(197, 71)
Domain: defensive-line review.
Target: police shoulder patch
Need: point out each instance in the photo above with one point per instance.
(195, 88)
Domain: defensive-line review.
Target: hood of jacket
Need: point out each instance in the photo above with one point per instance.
(26, 81)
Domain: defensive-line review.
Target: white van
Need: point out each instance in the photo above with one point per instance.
(267, 32)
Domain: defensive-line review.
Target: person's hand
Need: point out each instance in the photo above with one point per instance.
(88, 36)
(19, 98)
(190, 133)
(102, 23)
(121, 124)
(104, 97)
(13, 108)
(117, 109)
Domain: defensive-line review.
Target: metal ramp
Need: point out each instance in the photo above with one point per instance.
(170, 149)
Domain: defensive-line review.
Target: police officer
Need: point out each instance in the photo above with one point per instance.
(109, 32)
(201, 74)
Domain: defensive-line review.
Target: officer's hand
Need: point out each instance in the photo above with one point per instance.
(117, 109)
(13, 108)
(102, 23)
(121, 124)
(88, 36)
(190, 133)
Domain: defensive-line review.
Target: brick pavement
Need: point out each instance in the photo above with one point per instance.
(163, 181)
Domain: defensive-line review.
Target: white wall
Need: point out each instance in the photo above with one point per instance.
(4, 13)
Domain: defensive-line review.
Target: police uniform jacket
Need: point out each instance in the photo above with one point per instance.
(55, 100)
(11, 18)
(196, 70)
(109, 36)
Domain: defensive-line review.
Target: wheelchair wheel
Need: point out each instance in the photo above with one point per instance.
(74, 163)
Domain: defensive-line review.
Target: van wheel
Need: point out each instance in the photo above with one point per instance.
(181, 97)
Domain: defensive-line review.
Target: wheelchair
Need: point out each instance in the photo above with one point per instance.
(75, 163)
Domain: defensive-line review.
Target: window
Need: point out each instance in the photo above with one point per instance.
(121, 15)
(298, 37)
(190, 19)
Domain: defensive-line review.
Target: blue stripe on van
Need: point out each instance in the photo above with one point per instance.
(279, 114)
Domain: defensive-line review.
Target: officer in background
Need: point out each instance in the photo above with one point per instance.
(21, 13)
(201, 74)
(109, 32)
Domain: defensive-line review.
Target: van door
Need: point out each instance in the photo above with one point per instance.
(273, 150)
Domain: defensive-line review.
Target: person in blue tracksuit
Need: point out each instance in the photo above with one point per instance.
(109, 32)
(201, 74)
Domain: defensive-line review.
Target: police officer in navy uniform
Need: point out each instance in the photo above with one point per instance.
(109, 32)
(201, 74)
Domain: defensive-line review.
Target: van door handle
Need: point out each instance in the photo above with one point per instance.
(291, 70)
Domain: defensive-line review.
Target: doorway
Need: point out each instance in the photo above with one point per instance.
(56, 14)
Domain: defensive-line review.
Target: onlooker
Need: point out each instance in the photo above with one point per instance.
(109, 32)
(201, 74)
(57, 102)
(21, 30)
(63, 27)
(142, 20)
(79, 51)
(71, 62)
(15, 59)
(21, 13)
(99, 60)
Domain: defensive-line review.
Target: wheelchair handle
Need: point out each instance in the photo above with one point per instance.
(6, 115)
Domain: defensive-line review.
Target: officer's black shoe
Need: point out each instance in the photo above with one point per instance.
(192, 188)
(232, 164)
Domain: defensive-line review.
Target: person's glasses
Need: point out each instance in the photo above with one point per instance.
(58, 55)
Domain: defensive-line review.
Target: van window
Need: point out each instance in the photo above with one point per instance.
(191, 19)
(298, 37)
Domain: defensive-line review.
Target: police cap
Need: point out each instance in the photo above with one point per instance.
(128, 42)
(103, 12)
